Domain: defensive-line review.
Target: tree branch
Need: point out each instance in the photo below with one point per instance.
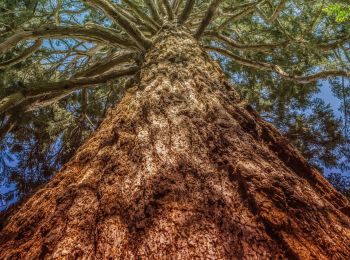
(130, 28)
(176, 5)
(277, 11)
(123, 41)
(168, 10)
(250, 47)
(207, 18)
(148, 20)
(92, 34)
(186, 12)
(160, 7)
(275, 68)
(246, 9)
(28, 52)
(106, 64)
(335, 44)
(153, 10)
(56, 12)
(99, 67)
(51, 88)
(271, 46)
(34, 104)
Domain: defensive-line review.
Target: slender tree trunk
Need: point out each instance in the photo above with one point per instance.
(182, 169)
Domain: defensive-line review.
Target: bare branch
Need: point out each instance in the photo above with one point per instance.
(99, 67)
(130, 28)
(108, 63)
(122, 41)
(51, 88)
(92, 34)
(154, 11)
(207, 18)
(28, 52)
(44, 101)
(56, 12)
(176, 6)
(275, 68)
(160, 7)
(186, 12)
(141, 14)
(168, 10)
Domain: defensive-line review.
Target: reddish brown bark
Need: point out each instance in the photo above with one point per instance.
(180, 169)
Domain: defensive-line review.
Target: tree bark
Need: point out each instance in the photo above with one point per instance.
(182, 168)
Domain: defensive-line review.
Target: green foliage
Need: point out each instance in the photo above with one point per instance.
(45, 139)
(341, 12)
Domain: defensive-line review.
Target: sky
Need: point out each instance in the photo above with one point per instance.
(327, 95)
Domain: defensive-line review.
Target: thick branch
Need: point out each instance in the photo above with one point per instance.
(207, 18)
(34, 104)
(186, 12)
(168, 10)
(275, 68)
(77, 83)
(160, 8)
(176, 6)
(56, 12)
(51, 88)
(92, 34)
(141, 14)
(122, 21)
(153, 10)
(96, 69)
(107, 64)
(28, 52)
(123, 41)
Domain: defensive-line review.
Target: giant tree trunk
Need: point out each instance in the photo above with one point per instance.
(182, 169)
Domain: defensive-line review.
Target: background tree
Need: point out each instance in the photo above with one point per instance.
(65, 63)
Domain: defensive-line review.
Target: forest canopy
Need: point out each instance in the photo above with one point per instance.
(64, 63)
